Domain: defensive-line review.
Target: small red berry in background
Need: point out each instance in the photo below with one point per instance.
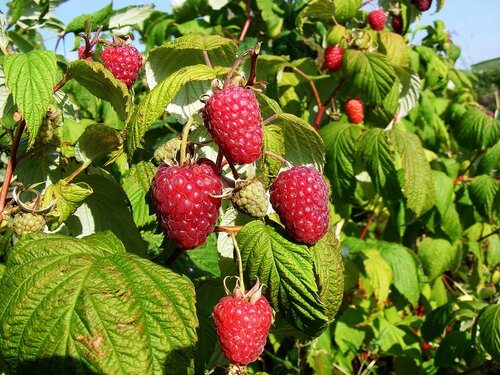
(355, 110)
(397, 24)
(333, 58)
(377, 19)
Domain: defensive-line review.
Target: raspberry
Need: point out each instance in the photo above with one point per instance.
(185, 202)
(250, 197)
(26, 223)
(124, 62)
(423, 5)
(232, 116)
(242, 327)
(355, 110)
(397, 24)
(45, 132)
(300, 197)
(167, 151)
(81, 50)
(333, 58)
(377, 19)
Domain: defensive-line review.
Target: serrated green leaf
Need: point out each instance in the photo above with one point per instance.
(445, 204)
(375, 155)
(404, 269)
(274, 22)
(303, 143)
(436, 74)
(106, 209)
(349, 333)
(490, 160)
(274, 141)
(329, 268)
(394, 340)
(483, 190)
(131, 15)
(67, 198)
(326, 10)
(379, 273)
(453, 346)
(101, 83)
(31, 78)
(437, 256)
(436, 322)
(76, 305)
(370, 74)
(286, 268)
(418, 188)
(101, 17)
(16, 10)
(340, 142)
(476, 129)
(96, 141)
(185, 51)
(394, 48)
(410, 90)
(488, 327)
(136, 185)
(153, 105)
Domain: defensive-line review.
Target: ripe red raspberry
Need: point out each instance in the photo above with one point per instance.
(124, 62)
(81, 50)
(423, 5)
(377, 19)
(333, 58)
(397, 24)
(300, 197)
(242, 327)
(185, 202)
(232, 116)
(355, 110)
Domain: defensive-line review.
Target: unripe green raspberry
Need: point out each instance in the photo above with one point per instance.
(250, 197)
(45, 132)
(167, 151)
(495, 277)
(26, 223)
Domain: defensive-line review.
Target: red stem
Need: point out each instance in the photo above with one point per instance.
(173, 257)
(311, 82)
(231, 230)
(462, 174)
(207, 59)
(323, 105)
(365, 3)
(235, 66)
(247, 21)
(11, 165)
(281, 159)
(367, 226)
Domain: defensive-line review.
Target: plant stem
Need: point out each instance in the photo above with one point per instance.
(323, 105)
(253, 64)
(365, 3)
(235, 173)
(462, 174)
(185, 135)
(247, 21)
(230, 229)
(235, 66)
(270, 119)
(77, 171)
(11, 165)
(311, 82)
(240, 263)
(207, 59)
(60, 84)
(173, 257)
(367, 226)
(285, 162)
(489, 234)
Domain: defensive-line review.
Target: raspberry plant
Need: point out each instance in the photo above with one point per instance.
(382, 255)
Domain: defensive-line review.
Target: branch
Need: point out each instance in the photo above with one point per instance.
(322, 107)
(247, 21)
(311, 82)
(11, 165)
(462, 174)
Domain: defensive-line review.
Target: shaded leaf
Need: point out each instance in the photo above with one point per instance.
(488, 327)
(96, 141)
(475, 129)
(437, 256)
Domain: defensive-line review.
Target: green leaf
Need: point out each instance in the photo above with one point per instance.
(418, 188)
(475, 129)
(445, 204)
(96, 141)
(85, 305)
(394, 48)
(394, 340)
(380, 274)
(286, 268)
(410, 90)
(349, 333)
(437, 256)
(375, 155)
(274, 141)
(453, 346)
(31, 78)
(129, 16)
(340, 141)
(404, 269)
(274, 21)
(67, 198)
(440, 5)
(153, 105)
(370, 74)
(436, 322)
(101, 17)
(186, 51)
(490, 160)
(303, 143)
(102, 83)
(136, 185)
(326, 10)
(483, 190)
(488, 327)
(106, 209)
(16, 10)
(329, 269)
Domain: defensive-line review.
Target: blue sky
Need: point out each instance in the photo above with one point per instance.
(473, 25)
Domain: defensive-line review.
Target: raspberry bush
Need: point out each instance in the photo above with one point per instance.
(309, 148)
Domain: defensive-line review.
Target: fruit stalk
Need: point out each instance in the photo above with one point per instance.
(240, 263)
(323, 105)
(235, 66)
(247, 21)
(184, 139)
